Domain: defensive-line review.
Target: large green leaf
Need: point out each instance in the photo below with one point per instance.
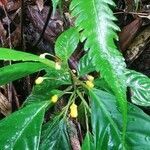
(22, 129)
(106, 133)
(139, 84)
(19, 70)
(66, 44)
(9, 54)
(94, 20)
(138, 131)
(140, 87)
(55, 135)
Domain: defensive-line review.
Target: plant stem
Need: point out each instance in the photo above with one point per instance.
(84, 101)
(71, 99)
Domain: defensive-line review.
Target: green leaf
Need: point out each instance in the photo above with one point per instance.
(66, 44)
(106, 133)
(19, 70)
(55, 135)
(9, 54)
(94, 20)
(88, 143)
(140, 88)
(138, 131)
(22, 129)
(100, 83)
(43, 91)
(85, 65)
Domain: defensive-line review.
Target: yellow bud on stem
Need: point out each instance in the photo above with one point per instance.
(89, 84)
(73, 110)
(54, 98)
(39, 80)
(57, 66)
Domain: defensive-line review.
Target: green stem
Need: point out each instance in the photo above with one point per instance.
(71, 99)
(84, 101)
(86, 120)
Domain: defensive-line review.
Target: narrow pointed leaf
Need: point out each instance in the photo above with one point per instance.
(94, 20)
(19, 70)
(22, 129)
(9, 54)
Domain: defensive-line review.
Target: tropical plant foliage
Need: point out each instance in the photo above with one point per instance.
(98, 103)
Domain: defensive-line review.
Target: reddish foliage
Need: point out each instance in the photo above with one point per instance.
(3, 2)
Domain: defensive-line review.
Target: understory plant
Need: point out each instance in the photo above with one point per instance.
(89, 92)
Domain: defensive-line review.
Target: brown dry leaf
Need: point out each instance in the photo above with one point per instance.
(3, 2)
(15, 38)
(5, 105)
(128, 33)
(40, 4)
(13, 5)
(138, 45)
(2, 32)
(55, 25)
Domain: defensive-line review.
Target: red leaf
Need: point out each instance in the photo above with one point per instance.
(3, 2)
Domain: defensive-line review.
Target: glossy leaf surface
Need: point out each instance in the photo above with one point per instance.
(19, 70)
(138, 131)
(9, 54)
(66, 44)
(140, 88)
(88, 142)
(106, 133)
(94, 20)
(55, 135)
(85, 65)
(22, 129)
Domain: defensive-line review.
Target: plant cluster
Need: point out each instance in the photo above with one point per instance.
(93, 93)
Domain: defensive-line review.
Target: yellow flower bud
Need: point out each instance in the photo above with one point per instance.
(39, 80)
(90, 78)
(54, 98)
(89, 84)
(42, 56)
(57, 66)
(74, 71)
(73, 110)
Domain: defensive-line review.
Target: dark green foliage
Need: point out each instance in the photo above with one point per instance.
(107, 119)
(22, 129)
(55, 135)
(19, 70)
(137, 129)
(95, 22)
